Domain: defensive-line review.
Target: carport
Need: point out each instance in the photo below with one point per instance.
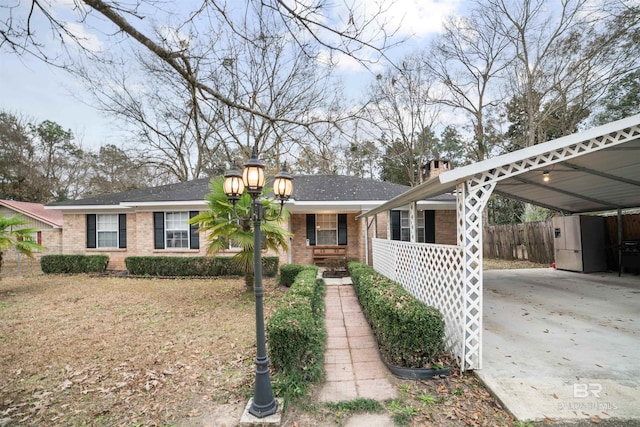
(562, 345)
(595, 170)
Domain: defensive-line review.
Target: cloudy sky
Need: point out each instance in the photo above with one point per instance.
(31, 88)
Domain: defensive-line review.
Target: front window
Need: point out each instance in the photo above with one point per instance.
(177, 229)
(326, 229)
(107, 231)
(405, 232)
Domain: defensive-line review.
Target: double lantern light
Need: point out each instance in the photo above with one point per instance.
(253, 179)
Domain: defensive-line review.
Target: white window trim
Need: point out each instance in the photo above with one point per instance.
(98, 231)
(335, 243)
(421, 233)
(167, 230)
(404, 217)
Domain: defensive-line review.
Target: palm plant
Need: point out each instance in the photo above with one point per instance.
(14, 235)
(226, 224)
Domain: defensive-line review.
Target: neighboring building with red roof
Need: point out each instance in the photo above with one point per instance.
(48, 222)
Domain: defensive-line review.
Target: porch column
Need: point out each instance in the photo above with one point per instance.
(375, 226)
(471, 201)
(366, 240)
(290, 229)
(413, 222)
(389, 231)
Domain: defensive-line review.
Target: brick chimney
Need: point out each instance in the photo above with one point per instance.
(435, 168)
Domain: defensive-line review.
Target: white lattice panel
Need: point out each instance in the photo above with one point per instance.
(555, 156)
(433, 274)
(471, 203)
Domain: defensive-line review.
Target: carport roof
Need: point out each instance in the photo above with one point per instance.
(590, 171)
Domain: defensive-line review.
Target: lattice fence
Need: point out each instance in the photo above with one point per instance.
(433, 274)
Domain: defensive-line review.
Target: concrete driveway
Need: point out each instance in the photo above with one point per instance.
(562, 345)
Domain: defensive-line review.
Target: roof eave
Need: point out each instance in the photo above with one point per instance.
(431, 188)
(32, 215)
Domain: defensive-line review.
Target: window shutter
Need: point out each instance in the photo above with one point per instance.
(395, 225)
(429, 226)
(342, 229)
(122, 231)
(158, 230)
(91, 230)
(194, 236)
(39, 238)
(311, 229)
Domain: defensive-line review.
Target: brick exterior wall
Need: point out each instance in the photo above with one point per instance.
(382, 232)
(446, 227)
(139, 241)
(140, 238)
(303, 254)
(74, 237)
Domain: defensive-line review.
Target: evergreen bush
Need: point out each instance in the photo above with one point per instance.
(297, 334)
(288, 273)
(193, 266)
(70, 264)
(410, 333)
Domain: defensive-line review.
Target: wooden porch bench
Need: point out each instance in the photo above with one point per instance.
(323, 253)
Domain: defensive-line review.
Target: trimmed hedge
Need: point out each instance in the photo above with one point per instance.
(297, 334)
(193, 266)
(64, 264)
(409, 333)
(288, 273)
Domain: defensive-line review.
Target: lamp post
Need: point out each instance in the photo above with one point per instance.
(252, 180)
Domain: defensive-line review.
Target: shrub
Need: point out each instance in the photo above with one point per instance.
(65, 264)
(297, 334)
(288, 273)
(193, 266)
(410, 333)
(270, 266)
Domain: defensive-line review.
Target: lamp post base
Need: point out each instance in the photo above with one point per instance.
(250, 420)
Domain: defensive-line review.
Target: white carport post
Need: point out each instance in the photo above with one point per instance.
(471, 200)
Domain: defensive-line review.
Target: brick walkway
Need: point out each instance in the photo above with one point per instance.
(353, 367)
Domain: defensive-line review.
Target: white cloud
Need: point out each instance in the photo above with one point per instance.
(86, 39)
(174, 38)
(343, 62)
(408, 20)
(421, 18)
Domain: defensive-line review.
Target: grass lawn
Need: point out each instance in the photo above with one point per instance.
(81, 350)
(109, 351)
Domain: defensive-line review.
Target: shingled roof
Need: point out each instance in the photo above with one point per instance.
(335, 188)
(179, 192)
(319, 188)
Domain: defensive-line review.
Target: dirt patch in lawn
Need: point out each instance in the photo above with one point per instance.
(503, 264)
(81, 350)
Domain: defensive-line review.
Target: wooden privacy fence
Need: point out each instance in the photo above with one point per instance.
(630, 227)
(532, 241)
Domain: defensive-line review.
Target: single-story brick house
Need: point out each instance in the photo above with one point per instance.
(154, 221)
(47, 222)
